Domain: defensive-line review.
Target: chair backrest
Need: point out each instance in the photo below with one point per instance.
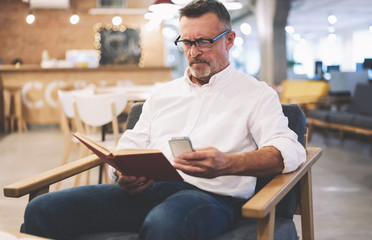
(66, 108)
(96, 110)
(134, 114)
(361, 99)
(99, 110)
(66, 99)
(296, 122)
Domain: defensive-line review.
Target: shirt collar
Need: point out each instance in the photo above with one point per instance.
(216, 79)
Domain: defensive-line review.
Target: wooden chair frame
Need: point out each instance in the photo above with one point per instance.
(261, 206)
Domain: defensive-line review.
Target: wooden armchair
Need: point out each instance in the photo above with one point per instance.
(262, 220)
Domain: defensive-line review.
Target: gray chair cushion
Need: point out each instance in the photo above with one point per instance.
(341, 117)
(363, 121)
(245, 229)
(319, 114)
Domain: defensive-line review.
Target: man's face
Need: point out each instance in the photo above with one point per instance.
(203, 65)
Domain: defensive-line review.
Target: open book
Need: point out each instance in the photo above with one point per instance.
(148, 163)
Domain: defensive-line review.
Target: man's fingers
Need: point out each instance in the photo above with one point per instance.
(141, 186)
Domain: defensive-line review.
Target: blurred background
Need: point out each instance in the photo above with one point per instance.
(314, 53)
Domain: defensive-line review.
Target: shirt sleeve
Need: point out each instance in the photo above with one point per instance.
(139, 136)
(270, 128)
(112, 174)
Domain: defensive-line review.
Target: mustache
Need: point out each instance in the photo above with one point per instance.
(197, 60)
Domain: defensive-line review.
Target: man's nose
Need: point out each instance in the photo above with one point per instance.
(194, 51)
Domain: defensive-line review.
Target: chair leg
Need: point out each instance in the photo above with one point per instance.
(83, 152)
(87, 176)
(265, 227)
(65, 156)
(307, 222)
(310, 130)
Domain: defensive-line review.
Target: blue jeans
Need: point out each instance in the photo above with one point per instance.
(167, 210)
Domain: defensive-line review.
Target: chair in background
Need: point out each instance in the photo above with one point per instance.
(13, 112)
(67, 121)
(95, 111)
(267, 215)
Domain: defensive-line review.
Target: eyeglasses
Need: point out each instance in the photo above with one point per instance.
(201, 44)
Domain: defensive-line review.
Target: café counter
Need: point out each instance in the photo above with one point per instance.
(38, 86)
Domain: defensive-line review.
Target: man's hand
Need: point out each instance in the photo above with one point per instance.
(211, 163)
(207, 163)
(132, 184)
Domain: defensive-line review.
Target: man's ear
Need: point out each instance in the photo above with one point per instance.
(230, 37)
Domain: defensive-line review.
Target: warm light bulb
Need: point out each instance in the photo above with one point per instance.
(117, 20)
(74, 19)
(30, 18)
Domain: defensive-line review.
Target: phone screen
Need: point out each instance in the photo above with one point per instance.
(180, 145)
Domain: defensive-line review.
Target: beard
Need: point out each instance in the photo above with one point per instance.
(200, 72)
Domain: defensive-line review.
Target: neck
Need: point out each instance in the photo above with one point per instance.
(198, 81)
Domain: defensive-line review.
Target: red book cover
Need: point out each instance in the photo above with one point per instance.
(149, 163)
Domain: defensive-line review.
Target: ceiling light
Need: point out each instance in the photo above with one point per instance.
(181, 2)
(370, 28)
(74, 19)
(332, 37)
(332, 19)
(238, 41)
(245, 28)
(30, 18)
(164, 8)
(117, 20)
(297, 37)
(289, 29)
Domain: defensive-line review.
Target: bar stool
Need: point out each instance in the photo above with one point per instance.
(13, 109)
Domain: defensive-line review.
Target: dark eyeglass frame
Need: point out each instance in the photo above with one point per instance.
(197, 42)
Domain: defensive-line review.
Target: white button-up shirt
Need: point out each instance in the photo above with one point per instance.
(234, 113)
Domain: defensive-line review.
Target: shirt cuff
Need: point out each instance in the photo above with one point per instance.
(112, 174)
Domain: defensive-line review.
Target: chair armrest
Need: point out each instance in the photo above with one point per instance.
(41, 182)
(263, 202)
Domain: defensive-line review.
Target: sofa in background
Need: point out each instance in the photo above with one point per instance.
(357, 117)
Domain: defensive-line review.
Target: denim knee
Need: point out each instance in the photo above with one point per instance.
(36, 221)
(187, 214)
(163, 223)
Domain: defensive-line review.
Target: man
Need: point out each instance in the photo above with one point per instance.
(235, 123)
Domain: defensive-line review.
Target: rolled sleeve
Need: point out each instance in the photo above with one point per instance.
(293, 153)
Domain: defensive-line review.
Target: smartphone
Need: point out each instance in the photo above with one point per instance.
(180, 145)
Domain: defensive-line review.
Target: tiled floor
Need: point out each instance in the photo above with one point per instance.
(342, 180)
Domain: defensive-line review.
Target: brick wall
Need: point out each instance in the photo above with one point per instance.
(52, 31)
